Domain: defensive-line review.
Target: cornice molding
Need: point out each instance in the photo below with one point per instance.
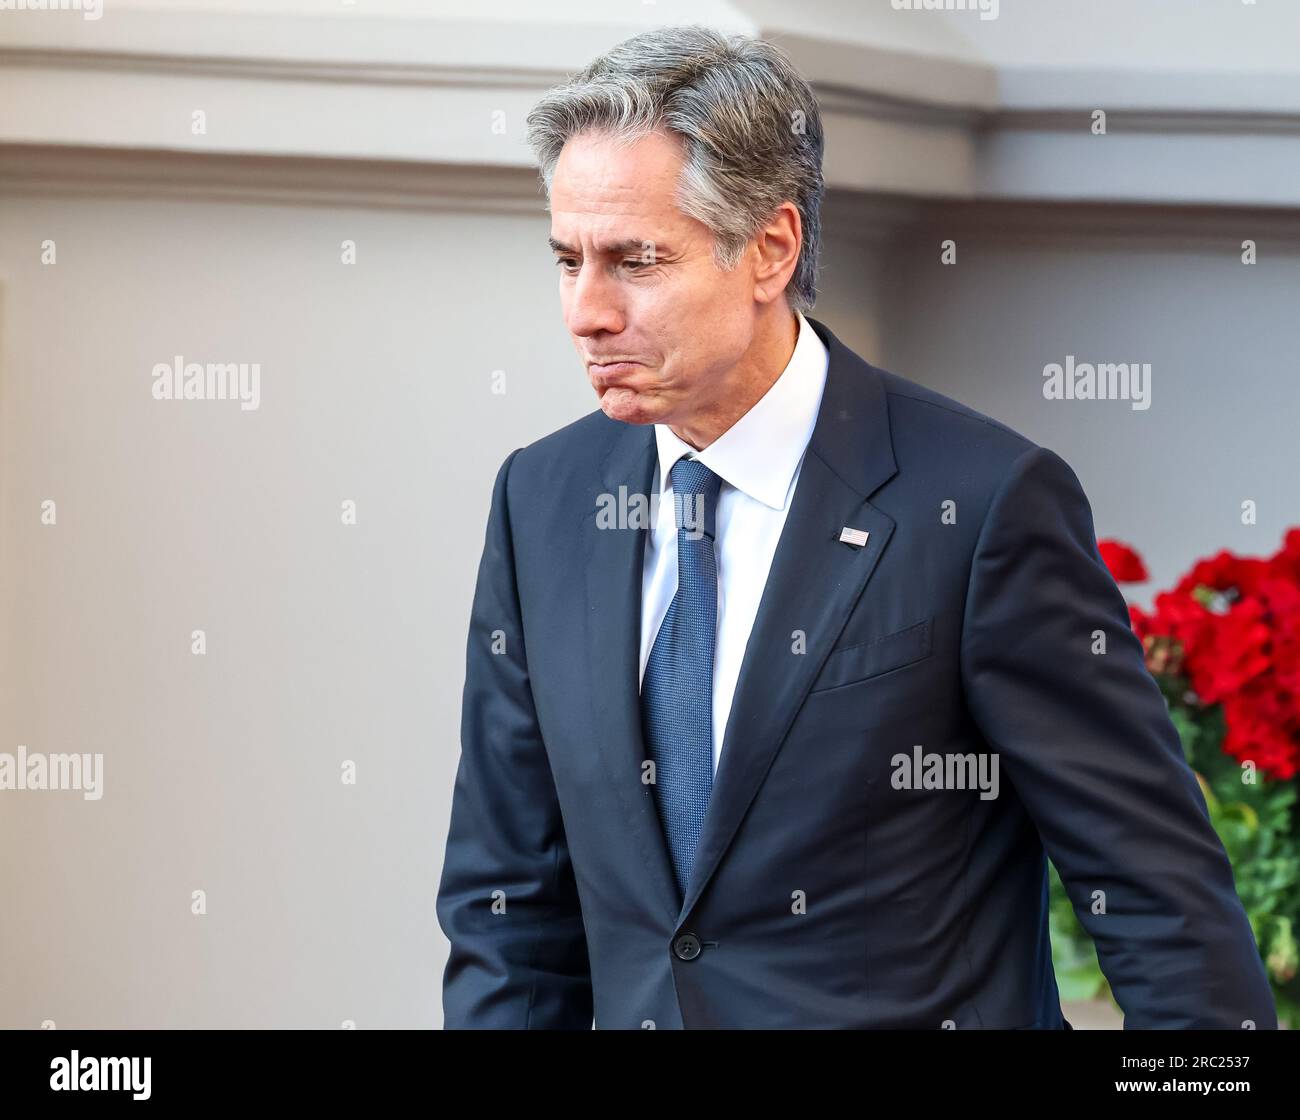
(417, 95)
(52, 170)
(873, 218)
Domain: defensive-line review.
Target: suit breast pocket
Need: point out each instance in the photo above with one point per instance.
(875, 657)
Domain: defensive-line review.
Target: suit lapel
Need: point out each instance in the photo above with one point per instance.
(813, 585)
(613, 570)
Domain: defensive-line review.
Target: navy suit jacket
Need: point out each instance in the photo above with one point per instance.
(823, 895)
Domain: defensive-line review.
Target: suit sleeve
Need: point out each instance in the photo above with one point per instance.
(1086, 741)
(507, 900)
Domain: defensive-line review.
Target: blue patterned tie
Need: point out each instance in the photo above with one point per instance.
(677, 690)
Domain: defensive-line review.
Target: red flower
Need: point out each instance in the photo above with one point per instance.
(1262, 728)
(1124, 563)
(1231, 629)
(1238, 654)
(1225, 572)
(1286, 563)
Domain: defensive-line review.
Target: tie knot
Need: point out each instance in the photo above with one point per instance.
(695, 498)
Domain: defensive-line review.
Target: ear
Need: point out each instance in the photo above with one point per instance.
(778, 245)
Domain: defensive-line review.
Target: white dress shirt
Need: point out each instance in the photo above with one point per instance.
(758, 459)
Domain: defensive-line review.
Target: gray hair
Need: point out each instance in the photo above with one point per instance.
(749, 122)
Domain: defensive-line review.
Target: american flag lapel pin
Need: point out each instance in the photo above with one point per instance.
(856, 537)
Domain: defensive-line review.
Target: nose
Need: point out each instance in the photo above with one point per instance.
(593, 302)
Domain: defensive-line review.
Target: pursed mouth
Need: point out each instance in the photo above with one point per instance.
(610, 373)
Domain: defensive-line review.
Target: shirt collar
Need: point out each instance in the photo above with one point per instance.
(761, 451)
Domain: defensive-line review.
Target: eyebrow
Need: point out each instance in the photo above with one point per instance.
(614, 248)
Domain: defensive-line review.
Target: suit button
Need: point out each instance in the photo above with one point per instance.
(687, 947)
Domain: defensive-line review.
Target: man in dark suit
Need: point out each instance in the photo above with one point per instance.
(785, 674)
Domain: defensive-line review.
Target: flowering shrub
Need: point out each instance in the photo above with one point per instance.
(1224, 646)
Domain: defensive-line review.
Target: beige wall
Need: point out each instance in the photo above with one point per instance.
(325, 642)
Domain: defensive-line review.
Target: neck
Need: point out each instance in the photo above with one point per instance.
(752, 377)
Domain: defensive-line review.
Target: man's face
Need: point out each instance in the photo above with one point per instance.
(657, 324)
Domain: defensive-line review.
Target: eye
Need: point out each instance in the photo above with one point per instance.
(561, 262)
(635, 262)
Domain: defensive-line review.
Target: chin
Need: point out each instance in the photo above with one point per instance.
(627, 406)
